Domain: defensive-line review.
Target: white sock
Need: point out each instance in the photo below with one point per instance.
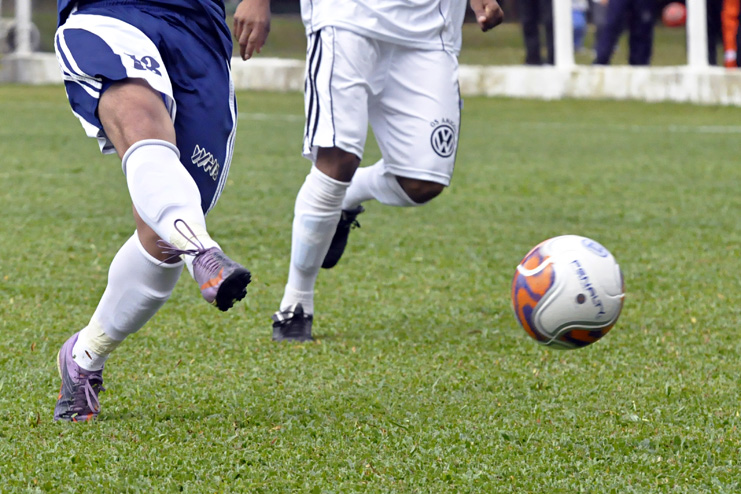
(316, 214)
(373, 182)
(138, 285)
(163, 192)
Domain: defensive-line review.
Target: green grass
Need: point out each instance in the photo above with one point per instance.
(502, 46)
(421, 380)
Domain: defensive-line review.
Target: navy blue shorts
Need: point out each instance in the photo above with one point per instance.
(188, 65)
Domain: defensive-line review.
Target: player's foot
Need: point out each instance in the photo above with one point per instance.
(221, 280)
(78, 396)
(347, 222)
(292, 324)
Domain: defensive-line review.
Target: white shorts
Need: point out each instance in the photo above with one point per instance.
(409, 96)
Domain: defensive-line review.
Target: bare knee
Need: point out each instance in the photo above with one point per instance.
(420, 191)
(337, 163)
(131, 111)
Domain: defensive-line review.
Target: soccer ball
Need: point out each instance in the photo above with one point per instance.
(568, 292)
(674, 15)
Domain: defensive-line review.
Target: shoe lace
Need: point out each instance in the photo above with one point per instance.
(173, 251)
(91, 386)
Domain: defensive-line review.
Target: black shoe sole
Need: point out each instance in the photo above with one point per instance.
(279, 337)
(334, 254)
(233, 289)
(329, 264)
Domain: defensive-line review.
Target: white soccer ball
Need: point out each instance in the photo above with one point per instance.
(568, 292)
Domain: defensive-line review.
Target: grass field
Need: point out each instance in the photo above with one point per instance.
(420, 380)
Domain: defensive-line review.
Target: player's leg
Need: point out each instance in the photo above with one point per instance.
(129, 108)
(416, 121)
(610, 31)
(730, 31)
(336, 126)
(127, 97)
(138, 125)
(138, 285)
(715, 32)
(138, 282)
(167, 200)
(375, 182)
(316, 213)
(641, 33)
(528, 11)
(546, 18)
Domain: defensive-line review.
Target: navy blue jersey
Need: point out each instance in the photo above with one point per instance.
(207, 15)
(181, 53)
(214, 8)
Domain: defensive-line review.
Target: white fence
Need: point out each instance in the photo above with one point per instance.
(694, 82)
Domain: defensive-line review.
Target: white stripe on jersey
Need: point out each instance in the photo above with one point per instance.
(229, 144)
(312, 96)
(72, 72)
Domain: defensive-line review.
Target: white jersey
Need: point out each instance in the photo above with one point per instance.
(424, 24)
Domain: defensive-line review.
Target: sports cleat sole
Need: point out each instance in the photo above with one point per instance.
(297, 327)
(348, 221)
(232, 289)
(278, 336)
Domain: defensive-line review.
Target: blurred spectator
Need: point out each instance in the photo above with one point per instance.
(597, 14)
(532, 14)
(639, 16)
(715, 37)
(579, 10)
(729, 26)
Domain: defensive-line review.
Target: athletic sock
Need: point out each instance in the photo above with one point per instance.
(316, 214)
(138, 285)
(373, 182)
(163, 192)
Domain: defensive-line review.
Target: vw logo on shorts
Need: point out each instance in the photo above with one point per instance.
(443, 140)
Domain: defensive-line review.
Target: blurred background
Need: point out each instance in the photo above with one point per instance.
(504, 46)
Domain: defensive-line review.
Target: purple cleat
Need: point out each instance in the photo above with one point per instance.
(78, 396)
(221, 280)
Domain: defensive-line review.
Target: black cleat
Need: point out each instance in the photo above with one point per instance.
(292, 324)
(347, 222)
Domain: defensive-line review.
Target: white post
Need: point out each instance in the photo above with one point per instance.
(23, 27)
(563, 34)
(697, 34)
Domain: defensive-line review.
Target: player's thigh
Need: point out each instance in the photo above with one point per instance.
(98, 52)
(190, 76)
(131, 111)
(416, 118)
(341, 70)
